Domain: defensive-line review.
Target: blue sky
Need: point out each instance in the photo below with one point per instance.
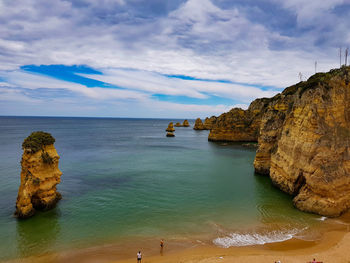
(158, 58)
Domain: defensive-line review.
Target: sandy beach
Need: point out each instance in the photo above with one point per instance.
(333, 246)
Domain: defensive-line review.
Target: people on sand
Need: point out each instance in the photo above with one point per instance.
(161, 246)
(139, 257)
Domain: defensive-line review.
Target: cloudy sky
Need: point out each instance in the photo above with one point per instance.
(160, 58)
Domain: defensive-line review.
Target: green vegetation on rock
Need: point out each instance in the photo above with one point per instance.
(37, 140)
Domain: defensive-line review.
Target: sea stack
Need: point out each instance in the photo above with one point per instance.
(198, 125)
(170, 134)
(39, 175)
(178, 124)
(170, 127)
(185, 123)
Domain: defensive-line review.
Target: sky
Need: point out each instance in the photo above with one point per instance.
(160, 58)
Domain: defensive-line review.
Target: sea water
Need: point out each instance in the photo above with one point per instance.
(124, 179)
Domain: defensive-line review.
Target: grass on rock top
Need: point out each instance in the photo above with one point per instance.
(37, 140)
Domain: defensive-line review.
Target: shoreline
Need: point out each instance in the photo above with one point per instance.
(331, 246)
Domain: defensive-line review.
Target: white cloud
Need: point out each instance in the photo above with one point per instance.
(198, 39)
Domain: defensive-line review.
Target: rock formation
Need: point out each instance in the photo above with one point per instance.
(209, 122)
(207, 125)
(198, 125)
(178, 124)
(170, 127)
(303, 139)
(170, 134)
(185, 123)
(39, 175)
(239, 125)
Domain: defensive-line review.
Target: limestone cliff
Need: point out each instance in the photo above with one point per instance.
(303, 139)
(39, 175)
(198, 125)
(210, 122)
(207, 125)
(239, 125)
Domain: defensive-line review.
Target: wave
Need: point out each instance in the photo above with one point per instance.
(323, 218)
(240, 240)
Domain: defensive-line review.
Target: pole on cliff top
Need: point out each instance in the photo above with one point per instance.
(346, 55)
(315, 67)
(340, 57)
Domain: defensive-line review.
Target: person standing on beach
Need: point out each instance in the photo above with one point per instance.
(139, 257)
(161, 247)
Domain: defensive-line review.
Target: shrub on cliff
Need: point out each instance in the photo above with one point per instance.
(37, 140)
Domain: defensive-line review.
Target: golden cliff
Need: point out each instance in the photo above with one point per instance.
(39, 175)
(207, 125)
(239, 125)
(303, 139)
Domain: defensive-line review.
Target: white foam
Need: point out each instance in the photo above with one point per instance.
(240, 240)
(323, 218)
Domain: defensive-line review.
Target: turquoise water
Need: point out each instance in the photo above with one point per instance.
(122, 179)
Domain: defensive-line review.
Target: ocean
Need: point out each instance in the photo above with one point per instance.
(123, 179)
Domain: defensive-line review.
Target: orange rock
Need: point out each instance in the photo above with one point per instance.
(170, 127)
(39, 177)
(185, 123)
(198, 125)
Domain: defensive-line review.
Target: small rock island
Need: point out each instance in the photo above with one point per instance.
(184, 124)
(39, 175)
(170, 130)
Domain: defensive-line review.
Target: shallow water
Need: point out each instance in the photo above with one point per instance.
(122, 179)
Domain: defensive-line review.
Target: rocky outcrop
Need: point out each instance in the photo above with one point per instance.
(170, 134)
(184, 124)
(303, 139)
(170, 127)
(239, 125)
(311, 157)
(209, 122)
(198, 125)
(207, 125)
(39, 175)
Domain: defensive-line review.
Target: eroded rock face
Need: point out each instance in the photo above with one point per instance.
(312, 157)
(39, 178)
(198, 125)
(185, 123)
(209, 122)
(303, 140)
(239, 125)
